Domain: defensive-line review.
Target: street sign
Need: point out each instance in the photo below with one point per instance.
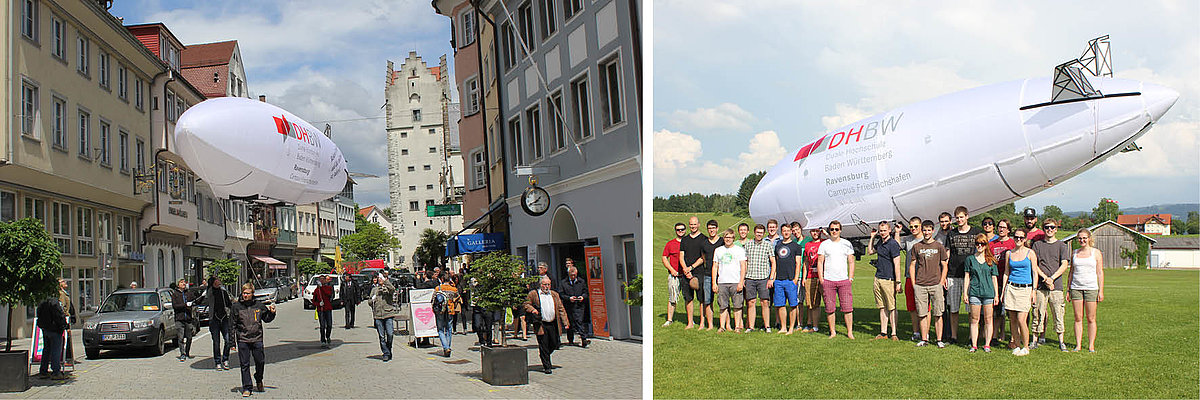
(441, 210)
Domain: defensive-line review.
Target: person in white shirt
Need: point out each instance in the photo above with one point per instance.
(835, 268)
(730, 264)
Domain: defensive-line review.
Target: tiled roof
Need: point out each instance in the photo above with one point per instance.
(205, 54)
(366, 211)
(1138, 219)
(1178, 242)
(202, 79)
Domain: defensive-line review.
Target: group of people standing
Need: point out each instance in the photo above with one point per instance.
(996, 270)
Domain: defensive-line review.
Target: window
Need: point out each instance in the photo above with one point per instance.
(525, 23)
(123, 82)
(169, 103)
(467, 25)
(200, 208)
(571, 7)
(404, 152)
(163, 176)
(403, 135)
(432, 131)
(140, 156)
(557, 127)
(105, 61)
(29, 107)
(428, 203)
(58, 29)
(162, 266)
(60, 123)
(478, 169)
(87, 280)
(85, 134)
(8, 206)
(414, 206)
(139, 99)
(83, 230)
(60, 226)
(509, 43)
(426, 167)
(433, 149)
(83, 45)
(416, 115)
(611, 110)
(471, 96)
(35, 208)
(29, 19)
(125, 235)
(104, 232)
(549, 23)
(105, 134)
(514, 129)
(533, 125)
(123, 150)
(412, 188)
(180, 106)
(411, 168)
(429, 187)
(581, 107)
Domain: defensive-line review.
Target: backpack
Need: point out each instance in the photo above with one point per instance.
(445, 302)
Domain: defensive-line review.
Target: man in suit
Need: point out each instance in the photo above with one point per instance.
(350, 299)
(574, 294)
(547, 323)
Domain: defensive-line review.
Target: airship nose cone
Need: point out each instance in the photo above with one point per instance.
(1158, 99)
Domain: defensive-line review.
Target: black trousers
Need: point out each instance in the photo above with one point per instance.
(221, 328)
(483, 321)
(184, 337)
(548, 341)
(577, 312)
(325, 319)
(349, 308)
(246, 352)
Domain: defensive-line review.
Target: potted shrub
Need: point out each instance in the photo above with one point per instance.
(496, 284)
(30, 265)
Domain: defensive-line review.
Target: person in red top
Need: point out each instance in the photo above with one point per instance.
(1031, 225)
(812, 284)
(999, 248)
(323, 302)
(670, 259)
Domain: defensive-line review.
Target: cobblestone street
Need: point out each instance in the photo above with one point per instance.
(297, 367)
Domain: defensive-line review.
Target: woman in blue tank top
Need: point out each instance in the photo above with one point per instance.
(1018, 291)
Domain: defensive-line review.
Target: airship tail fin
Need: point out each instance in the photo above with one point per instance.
(1070, 82)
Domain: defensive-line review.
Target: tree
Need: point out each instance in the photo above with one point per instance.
(1107, 209)
(1052, 212)
(368, 242)
(496, 282)
(432, 250)
(226, 270)
(30, 265)
(1193, 222)
(746, 189)
(310, 267)
(387, 212)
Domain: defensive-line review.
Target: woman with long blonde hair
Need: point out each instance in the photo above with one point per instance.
(1086, 284)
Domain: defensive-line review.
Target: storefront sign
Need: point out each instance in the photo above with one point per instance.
(480, 243)
(177, 211)
(424, 323)
(595, 280)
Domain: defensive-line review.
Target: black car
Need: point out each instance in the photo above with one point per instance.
(199, 311)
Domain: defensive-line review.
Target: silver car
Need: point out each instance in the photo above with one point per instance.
(131, 318)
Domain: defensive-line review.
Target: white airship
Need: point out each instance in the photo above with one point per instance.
(254, 150)
(980, 148)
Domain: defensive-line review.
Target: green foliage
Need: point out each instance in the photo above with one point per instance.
(369, 241)
(633, 291)
(696, 202)
(432, 250)
(310, 267)
(387, 212)
(1138, 256)
(496, 281)
(30, 265)
(1193, 222)
(747, 188)
(1052, 212)
(1107, 209)
(226, 269)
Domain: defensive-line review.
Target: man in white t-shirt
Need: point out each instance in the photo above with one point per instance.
(835, 268)
(730, 264)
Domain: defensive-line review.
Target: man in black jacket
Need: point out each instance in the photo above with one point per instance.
(219, 325)
(350, 299)
(53, 322)
(183, 319)
(248, 317)
(574, 297)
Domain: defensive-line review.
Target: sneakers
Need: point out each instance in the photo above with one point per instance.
(1016, 351)
(59, 376)
(225, 365)
(768, 329)
(748, 330)
(1062, 346)
(245, 393)
(1041, 341)
(922, 343)
(1034, 343)
(972, 349)
(987, 349)
(916, 337)
(1021, 351)
(668, 323)
(941, 344)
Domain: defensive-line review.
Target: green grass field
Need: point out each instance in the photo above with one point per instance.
(1148, 347)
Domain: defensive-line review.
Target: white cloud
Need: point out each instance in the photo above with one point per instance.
(674, 150)
(1169, 150)
(704, 176)
(723, 117)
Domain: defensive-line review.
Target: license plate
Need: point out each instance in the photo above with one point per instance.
(112, 337)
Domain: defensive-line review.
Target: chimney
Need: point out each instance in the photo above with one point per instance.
(262, 98)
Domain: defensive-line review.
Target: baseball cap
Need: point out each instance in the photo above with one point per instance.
(1030, 213)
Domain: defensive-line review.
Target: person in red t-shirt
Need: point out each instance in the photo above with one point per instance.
(1031, 226)
(812, 284)
(999, 248)
(670, 259)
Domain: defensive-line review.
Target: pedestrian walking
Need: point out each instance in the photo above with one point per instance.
(384, 308)
(323, 302)
(183, 319)
(350, 299)
(446, 304)
(573, 291)
(219, 325)
(52, 320)
(549, 318)
(249, 316)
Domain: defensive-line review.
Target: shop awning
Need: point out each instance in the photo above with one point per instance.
(271, 262)
(474, 243)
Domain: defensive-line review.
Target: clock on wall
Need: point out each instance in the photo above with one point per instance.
(534, 199)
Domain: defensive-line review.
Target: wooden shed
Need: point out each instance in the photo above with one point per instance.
(1110, 237)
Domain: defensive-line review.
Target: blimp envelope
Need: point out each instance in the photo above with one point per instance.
(247, 148)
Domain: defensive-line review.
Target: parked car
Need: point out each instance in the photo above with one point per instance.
(266, 291)
(334, 279)
(283, 290)
(131, 318)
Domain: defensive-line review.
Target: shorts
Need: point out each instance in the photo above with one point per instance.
(812, 295)
(756, 289)
(1090, 296)
(786, 294)
(976, 301)
(885, 294)
(928, 297)
(704, 294)
(673, 283)
(1018, 299)
(728, 296)
(954, 294)
(910, 297)
(840, 289)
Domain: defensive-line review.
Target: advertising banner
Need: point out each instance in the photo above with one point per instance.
(595, 280)
(480, 243)
(37, 344)
(421, 306)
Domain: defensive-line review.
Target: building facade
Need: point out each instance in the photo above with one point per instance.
(417, 111)
(373, 215)
(1150, 224)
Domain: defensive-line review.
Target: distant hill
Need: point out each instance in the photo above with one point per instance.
(1176, 210)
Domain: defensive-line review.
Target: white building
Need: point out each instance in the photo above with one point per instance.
(374, 215)
(419, 171)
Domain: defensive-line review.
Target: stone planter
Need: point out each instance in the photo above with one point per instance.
(14, 371)
(504, 366)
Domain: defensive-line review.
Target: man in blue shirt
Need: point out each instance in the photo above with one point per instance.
(887, 269)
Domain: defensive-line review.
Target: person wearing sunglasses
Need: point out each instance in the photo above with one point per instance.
(928, 271)
(1053, 257)
(760, 266)
(730, 267)
(980, 280)
(670, 260)
(1018, 292)
(835, 268)
(248, 318)
(907, 241)
(1087, 287)
(715, 241)
(691, 251)
(989, 228)
(810, 281)
(1000, 248)
(784, 279)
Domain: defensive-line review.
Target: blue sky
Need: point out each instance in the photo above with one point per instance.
(737, 86)
(321, 60)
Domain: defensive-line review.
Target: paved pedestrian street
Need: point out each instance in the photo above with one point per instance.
(297, 367)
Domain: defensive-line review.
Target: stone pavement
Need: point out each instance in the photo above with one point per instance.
(297, 367)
